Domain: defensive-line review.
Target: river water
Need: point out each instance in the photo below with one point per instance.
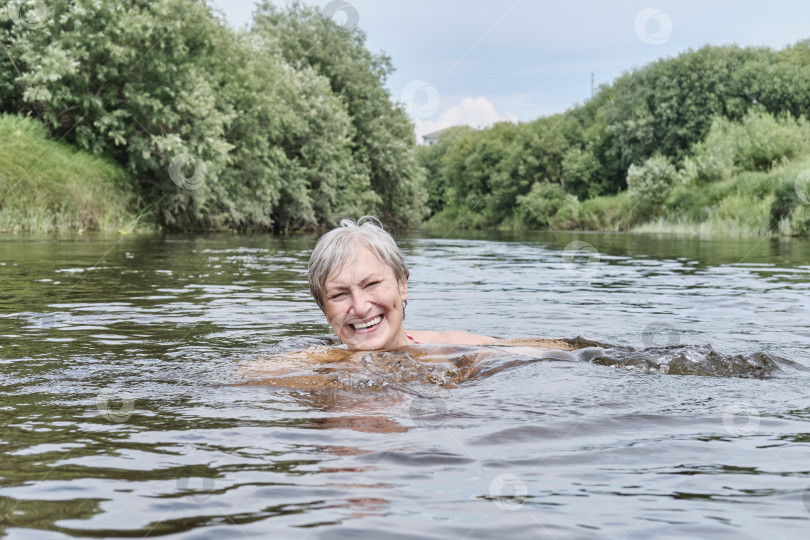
(125, 413)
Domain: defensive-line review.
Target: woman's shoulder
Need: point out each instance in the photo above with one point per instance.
(451, 337)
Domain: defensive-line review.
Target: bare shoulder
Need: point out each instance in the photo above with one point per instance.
(451, 337)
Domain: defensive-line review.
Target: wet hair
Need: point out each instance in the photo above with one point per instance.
(340, 244)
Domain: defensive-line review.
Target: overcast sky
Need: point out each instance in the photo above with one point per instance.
(475, 62)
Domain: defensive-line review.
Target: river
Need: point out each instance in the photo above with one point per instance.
(125, 411)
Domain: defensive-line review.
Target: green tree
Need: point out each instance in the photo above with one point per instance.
(281, 144)
(430, 158)
(382, 141)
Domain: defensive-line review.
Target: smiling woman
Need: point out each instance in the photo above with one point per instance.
(358, 277)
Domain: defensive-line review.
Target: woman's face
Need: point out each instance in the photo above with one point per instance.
(363, 303)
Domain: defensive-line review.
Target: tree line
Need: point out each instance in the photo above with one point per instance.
(287, 124)
(696, 118)
(281, 126)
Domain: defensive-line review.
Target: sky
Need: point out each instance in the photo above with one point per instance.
(477, 62)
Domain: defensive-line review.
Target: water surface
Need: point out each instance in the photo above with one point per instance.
(124, 413)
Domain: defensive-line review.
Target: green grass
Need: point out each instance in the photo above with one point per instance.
(49, 187)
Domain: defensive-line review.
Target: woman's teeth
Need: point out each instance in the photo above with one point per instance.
(360, 326)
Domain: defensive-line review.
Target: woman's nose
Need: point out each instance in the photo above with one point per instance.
(360, 302)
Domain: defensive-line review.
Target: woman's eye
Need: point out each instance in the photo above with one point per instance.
(338, 296)
(372, 284)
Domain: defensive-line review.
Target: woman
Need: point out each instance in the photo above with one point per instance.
(358, 277)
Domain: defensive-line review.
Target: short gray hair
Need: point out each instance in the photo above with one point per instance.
(338, 245)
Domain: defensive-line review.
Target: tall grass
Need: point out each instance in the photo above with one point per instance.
(48, 187)
(747, 204)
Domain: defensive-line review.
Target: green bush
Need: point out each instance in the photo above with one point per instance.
(758, 142)
(606, 213)
(539, 207)
(649, 184)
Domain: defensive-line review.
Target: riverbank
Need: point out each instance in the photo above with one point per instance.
(747, 204)
(50, 187)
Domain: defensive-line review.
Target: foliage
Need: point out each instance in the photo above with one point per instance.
(430, 159)
(63, 191)
(286, 140)
(581, 172)
(649, 184)
(715, 112)
(540, 206)
(381, 141)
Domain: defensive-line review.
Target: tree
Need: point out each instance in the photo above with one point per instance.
(382, 141)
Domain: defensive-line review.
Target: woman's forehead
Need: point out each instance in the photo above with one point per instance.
(358, 266)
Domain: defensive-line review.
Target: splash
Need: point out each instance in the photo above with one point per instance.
(322, 365)
(689, 360)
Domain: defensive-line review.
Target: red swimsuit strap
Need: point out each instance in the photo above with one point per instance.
(413, 340)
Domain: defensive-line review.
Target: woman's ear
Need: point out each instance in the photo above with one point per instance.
(403, 290)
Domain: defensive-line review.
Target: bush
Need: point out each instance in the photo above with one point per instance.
(608, 212)
(757, 143)
(539, 207)
(650, 184)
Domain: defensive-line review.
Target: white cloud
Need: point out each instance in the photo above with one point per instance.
(476, 112)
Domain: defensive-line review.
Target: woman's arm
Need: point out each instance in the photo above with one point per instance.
(451, 337)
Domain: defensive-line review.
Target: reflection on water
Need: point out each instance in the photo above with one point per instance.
(125, 413)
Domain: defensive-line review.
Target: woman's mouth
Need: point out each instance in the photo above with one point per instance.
(370, 324)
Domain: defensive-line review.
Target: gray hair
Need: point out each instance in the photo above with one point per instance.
(338, 245)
